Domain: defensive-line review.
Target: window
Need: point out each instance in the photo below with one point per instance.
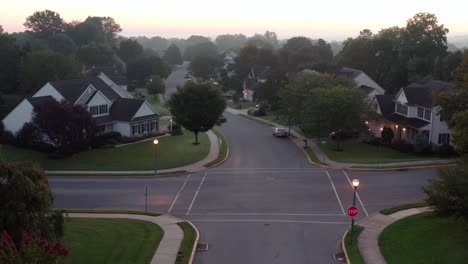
(143, 128)
(427, 115)
(420, 112)
(402, 109)
(98, 110)
(444, 139)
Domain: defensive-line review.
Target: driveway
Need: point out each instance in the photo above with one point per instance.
(265, 204)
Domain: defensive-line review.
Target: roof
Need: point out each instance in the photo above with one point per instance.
(348, 72)
(366, 89)
(407, 121)
(146, 117)
(251, 83)
(110, 71)
(422, 94)
(37, 101)
(124, 109)
(71, 90)
(104, 88)
(386, 104)
(260, 72)
(100, 120)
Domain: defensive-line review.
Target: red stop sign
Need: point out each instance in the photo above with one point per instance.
(353, 211)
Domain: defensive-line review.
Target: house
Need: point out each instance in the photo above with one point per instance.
(411, 112)
(256, 76)
(111, 106)
(362, 81)
(108, 72)
(229, 58)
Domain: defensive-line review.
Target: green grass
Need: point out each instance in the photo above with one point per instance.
(313, 157)
(223, 152)
(366, 153)
(353, 250)
(395, 209)
(108, 211)
(258, 119)
(111, 240)
(240, 105)
(187, 243)
(172, 152)
(425, 239)
(402, 167)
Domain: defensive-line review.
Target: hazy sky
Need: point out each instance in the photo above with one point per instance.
(332, 20)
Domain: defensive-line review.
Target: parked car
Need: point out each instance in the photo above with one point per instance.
(280, 132)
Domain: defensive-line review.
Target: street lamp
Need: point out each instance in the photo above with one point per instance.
(355, 185)
(155, 142)
(170, 122)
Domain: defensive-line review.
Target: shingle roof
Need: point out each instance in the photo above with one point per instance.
(110, 71)
(104, 88)
(422, 95)
(348, 72)
(386, 104)
(71, 90)
(406, 121)
(124, 109)
(36, 101)
(366, 89)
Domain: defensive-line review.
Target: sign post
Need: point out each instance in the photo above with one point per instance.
(353, 210)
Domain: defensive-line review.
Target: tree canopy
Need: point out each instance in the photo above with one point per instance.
(141, 69)
(173, 55)
(130, 49)
(198, 106)
(95, 54)
(45, 23)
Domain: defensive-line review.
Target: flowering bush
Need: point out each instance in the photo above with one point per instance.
(34, 250)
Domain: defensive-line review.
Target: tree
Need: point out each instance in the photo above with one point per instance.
(195, 40)
(26, 202)
(85, 33)
(106, 25)
(459, 126)
(142, 68)
(62, 43)
(129, 49)
(95, 54)
(230, 42)
(67, 127)
(204, 67)
(205, 49)
(387, 135)
(38, 68)
(45, 23)
(172, 55)
(155, 85)
(267, 40)
(448, 193)
(9, 59)
(198, 106)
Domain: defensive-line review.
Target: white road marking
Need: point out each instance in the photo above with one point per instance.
(336, 193)
(269, 214)
(177, 196)
(261, 171)
(268, 220)
(357, 194)
(196, 194)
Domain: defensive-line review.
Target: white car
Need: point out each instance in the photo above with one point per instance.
(280, 132)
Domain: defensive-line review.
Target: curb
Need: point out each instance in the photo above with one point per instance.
(343, 247)
(404, 168)
(225, 158)
(316, 164)
(195, 243)
(115, 176)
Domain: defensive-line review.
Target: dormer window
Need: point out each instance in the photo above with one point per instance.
(424, 113)
(98, 110)
(402, 109)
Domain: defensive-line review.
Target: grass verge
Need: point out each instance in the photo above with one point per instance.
(94, 240)
(405, 166)
(188, 242)
(223, 152)
(425, 238)
(256, 119)
(313, 157)
(172, 152)
(352, 248)
(109, 211)
(402, 207)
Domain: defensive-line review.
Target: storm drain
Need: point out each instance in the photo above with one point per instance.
(201, 247)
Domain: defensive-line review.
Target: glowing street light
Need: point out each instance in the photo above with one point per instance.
(355, 185)
(155, 143)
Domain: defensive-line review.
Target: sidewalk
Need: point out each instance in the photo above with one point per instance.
(192, 168)
(166, 253)
(313, 144)
(368, 241)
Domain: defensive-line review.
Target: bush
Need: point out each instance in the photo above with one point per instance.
(176, 129)
(421, 145)
(126, 140)
(25, 137)
(445, 151)
(375, 141)
(106, 139)
(257, 111)
(449, 192)
(8, 138)
(387, 135)
(402, 146)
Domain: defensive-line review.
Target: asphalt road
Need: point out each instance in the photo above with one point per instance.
(176, 78)
(265, 204)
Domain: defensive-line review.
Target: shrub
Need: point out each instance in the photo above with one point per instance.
(25, 137)
(448, 193)
(106, 139)
(176, 129)
(387, 135)
(421, 145)
(257, 111)
(402, 146)
(375, 141)
(126, 140)
(8, 138)
(445, 151)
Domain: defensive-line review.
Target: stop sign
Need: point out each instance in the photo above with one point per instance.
(353, 211)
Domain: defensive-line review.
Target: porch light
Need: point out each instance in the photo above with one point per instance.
(396, 126)
(404, 129)
(381, 129)
(367, 122)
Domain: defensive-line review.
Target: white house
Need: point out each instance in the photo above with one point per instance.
(412, 111)
(362, 80)
(112, 107)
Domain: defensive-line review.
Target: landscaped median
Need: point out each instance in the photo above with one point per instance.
(120, 236)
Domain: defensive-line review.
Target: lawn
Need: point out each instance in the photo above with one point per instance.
(240, 105)
(424, 238)
(313, 157)
(111, 240)
(398, 208)
(366, 153)
(187, 243)
(352, 248)
(172, 152)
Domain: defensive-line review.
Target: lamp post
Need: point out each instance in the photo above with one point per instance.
(170, 122)
(355, 185)
(155, 142)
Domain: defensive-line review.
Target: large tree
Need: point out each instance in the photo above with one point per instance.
(198, 106)
(9, 59)
(26, 202)
(63, 44)
(205, 49)
(155, 85)
(38, 68)
(173, 55)
(205, 67)
(85, 33)
(142, 68)
(106, 25)
(45, 23)
(230, 42)
(95, 54)
(129, 49)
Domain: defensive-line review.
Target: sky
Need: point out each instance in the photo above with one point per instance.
(330, 20)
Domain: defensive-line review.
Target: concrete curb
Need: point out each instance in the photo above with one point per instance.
(316, 164)
(343, 247)
(225, 158)
(404, 168)
(195, 243)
